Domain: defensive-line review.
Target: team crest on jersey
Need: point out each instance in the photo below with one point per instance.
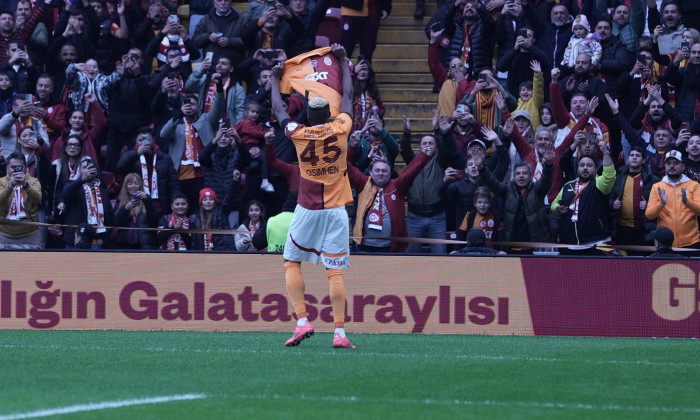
(327, 61)
(313, 63)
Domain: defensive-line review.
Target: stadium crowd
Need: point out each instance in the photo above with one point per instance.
(555, 122)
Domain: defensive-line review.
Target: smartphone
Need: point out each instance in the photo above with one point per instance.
(173, 18)
(685, 45)
(37, 103)
(18, 168)
(459, 174)
(642, 59)
(271, 4)
(591, 136)
(462, 108)
(482, 76)
(134, 56)
(437, 26)
(135, 197)
(209, 56)
(522, 33)
(684, 126)
(225, 123)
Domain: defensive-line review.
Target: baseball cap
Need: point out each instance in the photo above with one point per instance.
(664, 236)
(674, 154)
(476, 237)
(522, 113)
(476, 142)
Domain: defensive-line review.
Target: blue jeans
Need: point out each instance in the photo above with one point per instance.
(426, 227)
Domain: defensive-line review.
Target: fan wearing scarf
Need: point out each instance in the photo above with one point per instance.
(582, 204)
(21, 116)
(87, 201)
(156, 169)
(188, 132)
(20, 195)
(483, 99)
(178, 219)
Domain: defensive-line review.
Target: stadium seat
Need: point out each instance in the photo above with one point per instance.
(330, 25)
(322, 41)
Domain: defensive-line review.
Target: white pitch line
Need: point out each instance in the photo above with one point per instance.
(100, 406)
(491, 403)
(287, 352)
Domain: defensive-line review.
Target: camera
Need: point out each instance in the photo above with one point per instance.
(18, 168)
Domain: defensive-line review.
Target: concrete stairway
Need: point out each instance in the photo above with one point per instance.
(401, 64)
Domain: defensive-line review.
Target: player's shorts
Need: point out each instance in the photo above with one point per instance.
(319, 235)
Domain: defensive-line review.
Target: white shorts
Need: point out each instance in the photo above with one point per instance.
(319, 232)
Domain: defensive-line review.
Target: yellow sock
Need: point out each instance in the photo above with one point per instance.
(337, 296)
(295, 287)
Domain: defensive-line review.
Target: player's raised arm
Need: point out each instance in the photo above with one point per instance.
(348, 92)
(277, 104)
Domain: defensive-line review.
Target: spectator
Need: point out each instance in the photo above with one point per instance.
(426, 208)
(663, 242)
(469, 33)
(39, 40)
(52, 114)
(627, 21)
(8, 30)
(135, 209)
(629, 198)
(374, 136)
(654, 113)
(476, 244)
(12, 123)
(581, 205)
(280, 29)
(188, 132)
(78, 125)
(667, 28)
(381, 202)
(203, 83)
(524, 55)
(552, 37)
(158, 175)
(510, 24)
(212, 216)
(691, 161)
(253, 136)
(164, 105)
(675, 203)
(198, 9)
(311, 17)
(273, 234)
(254, 221)
(179, 220)
(86, 200)
(450, 83)
(129, 106)
(20, 196)
(262, 94)
(64, 169)
(485, 217)
(582, 42)
(687, 82)
(20, 67)
(367, 99)
(484, 100)
(224, 32)
(86, 78)
(614, 59)
(223, 160)
(7, 93)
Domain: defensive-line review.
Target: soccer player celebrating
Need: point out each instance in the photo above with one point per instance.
(319, 228)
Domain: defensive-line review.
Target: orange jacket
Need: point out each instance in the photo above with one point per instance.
(680, 218)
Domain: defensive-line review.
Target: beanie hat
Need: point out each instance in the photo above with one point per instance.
(207, 192)
(581, 20)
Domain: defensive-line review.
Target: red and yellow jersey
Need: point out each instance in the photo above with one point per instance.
(322, 152)
(315, 73)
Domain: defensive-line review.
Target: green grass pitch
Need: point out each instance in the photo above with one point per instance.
(252, 375)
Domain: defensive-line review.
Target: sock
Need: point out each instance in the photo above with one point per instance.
(302, 321)
(295, 287)
(337, 296)
(340, 332)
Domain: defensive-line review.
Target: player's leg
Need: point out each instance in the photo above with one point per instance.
(295, 290)
(337, 294)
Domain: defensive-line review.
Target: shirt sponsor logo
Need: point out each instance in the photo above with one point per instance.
(322, 75)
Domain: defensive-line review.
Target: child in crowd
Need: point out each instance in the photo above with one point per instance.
(253, 135)
(178, 219)
(254, 221)
(531, 94)
(7, 93)
(582, 42)
(484, 218)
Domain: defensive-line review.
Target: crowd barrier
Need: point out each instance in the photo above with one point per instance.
(636, 297)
